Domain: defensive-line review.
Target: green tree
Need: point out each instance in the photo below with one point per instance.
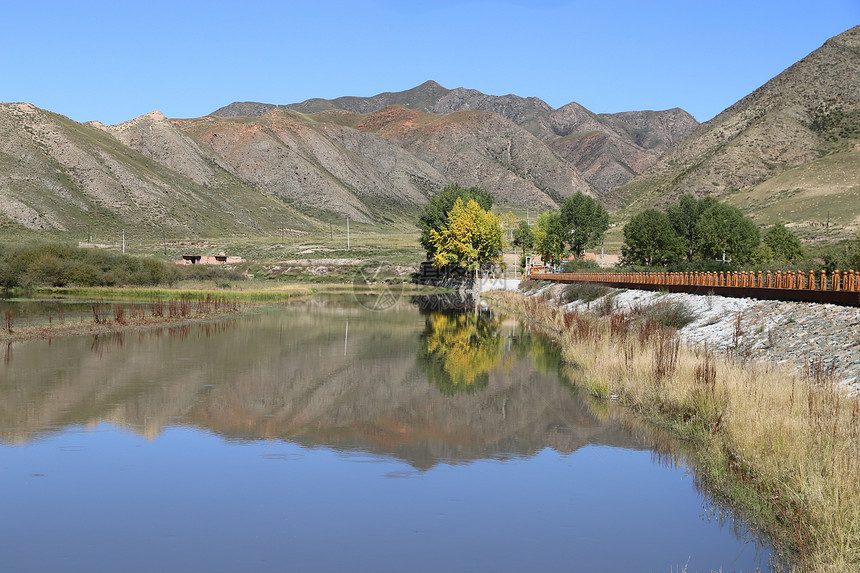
(783, 244)
(843, 256)
(471, 237)
(724, 230)
(650, 239)
(549, 237)
(584, 221)
(685, 217)
(524, 239)
(435, 213)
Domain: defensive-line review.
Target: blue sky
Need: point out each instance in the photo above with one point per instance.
(113, 61)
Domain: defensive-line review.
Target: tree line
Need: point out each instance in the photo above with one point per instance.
(459, 229)
(704, 230)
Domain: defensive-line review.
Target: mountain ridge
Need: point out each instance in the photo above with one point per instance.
(60, 175)
(625, 150)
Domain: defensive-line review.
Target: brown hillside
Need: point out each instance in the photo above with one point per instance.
(636, 139)
(321, 166)
(808, 111)
(484, 149)
(60, 175)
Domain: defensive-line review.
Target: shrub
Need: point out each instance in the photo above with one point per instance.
(82, 273)
(60, 265)
(529, 285)
(668, 313)
(210, 273)
(580, 266)
(586, 292)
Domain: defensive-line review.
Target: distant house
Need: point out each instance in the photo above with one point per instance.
(209, 260)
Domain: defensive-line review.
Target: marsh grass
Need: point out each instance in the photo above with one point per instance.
(108, 316)
(193, 290)
(782, 447)
(248, 292)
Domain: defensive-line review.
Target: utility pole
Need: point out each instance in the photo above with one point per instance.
(347, 232)
(123, 241)
(164, 239)
(331, 231)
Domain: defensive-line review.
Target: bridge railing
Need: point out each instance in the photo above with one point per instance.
(789, 280)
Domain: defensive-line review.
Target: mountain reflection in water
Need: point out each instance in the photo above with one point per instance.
(260, 429)
(425, 387)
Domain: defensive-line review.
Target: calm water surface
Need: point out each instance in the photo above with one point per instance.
(326, 437)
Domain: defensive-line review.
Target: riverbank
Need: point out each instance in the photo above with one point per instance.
(781, 444)
(114, 317)
(791, 334)
(108, 309)
(251, 291)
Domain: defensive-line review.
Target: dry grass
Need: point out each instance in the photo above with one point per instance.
(115, 317)
(784, 447)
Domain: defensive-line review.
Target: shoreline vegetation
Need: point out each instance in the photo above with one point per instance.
(111, 317)
(116, 309)
(781, 446)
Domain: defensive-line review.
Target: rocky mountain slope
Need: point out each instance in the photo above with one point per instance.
(475, 148)
(809, 113)
(319, 167)
(365, 165)
(609, 149)
(214, 175)
(57, 174)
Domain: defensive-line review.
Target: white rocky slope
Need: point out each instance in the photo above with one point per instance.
(798, 334)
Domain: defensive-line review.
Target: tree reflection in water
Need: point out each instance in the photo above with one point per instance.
(459, 349)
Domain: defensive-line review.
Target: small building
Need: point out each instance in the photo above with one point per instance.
(209, 260)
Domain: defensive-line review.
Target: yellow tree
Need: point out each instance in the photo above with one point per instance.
(471, 237)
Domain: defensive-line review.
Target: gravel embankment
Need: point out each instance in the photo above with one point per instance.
(793, 333)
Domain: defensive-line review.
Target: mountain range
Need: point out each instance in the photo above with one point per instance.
(252, 168)
(608, 149)
(786, 152)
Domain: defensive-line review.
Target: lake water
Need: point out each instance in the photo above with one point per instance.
(328, 437)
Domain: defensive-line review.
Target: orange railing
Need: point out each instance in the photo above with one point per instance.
(792, 280)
